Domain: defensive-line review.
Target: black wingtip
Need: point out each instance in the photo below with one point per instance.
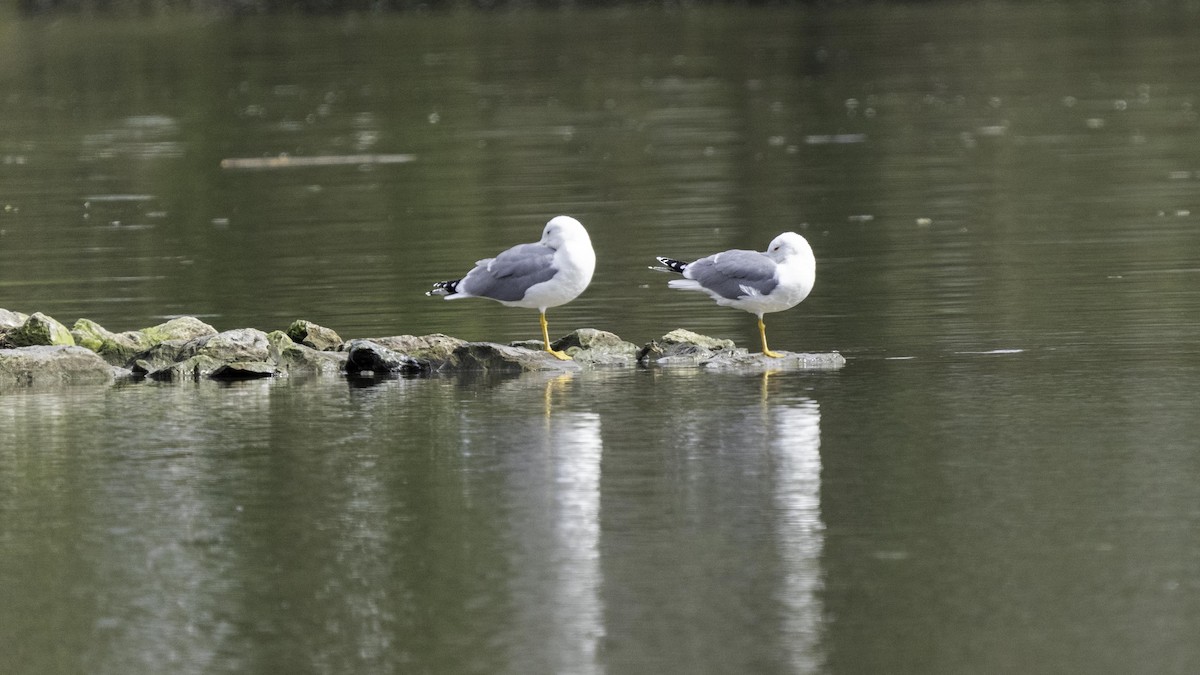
(444, 288)
(673, 265)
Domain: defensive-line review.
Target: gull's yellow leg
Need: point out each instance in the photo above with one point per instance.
(762, 331)
(546, 338)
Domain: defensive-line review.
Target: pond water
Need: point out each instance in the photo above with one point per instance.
(1005, 477)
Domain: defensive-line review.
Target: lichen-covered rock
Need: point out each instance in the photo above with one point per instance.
(52, 365)
(368, 356)
(310, 334)
(597, 348)
(179, 328)
(298, 359)
(119, 349)
(10, 319)
(38, 329)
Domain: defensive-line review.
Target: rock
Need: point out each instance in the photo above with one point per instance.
(437, 349)
(125, 349)
(10, 319)
(180, 328)
(38, 329)
(311, 335)
(193, 368)
(742, 360)
(119, 349)
(243, 370)
(158, 357)
(241, 344)
(505, 358)
(187, 348)
(52, 365)
(368, 356)
(683, 347)
(298, 359)
(425, 353)
(227, 354)
(597, 348)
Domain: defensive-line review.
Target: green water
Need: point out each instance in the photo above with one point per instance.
(1003, 478)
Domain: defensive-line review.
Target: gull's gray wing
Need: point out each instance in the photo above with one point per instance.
(729, 273)
(507, 276)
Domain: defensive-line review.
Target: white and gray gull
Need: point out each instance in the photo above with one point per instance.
(551, 272)
(755, 282)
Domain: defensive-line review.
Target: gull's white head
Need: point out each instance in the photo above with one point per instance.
(563, 230)
(788, 245)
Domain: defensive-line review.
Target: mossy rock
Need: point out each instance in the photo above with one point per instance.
(597, 348)
(299, 359)
(119, 349)
(180, 328)
(39, 330)
(311, 335)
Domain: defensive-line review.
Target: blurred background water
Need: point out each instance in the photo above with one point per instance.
(1003, 204)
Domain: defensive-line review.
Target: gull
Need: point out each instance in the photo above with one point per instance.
(550, 272)
(752, 281)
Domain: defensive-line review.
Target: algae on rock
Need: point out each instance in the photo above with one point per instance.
(119, 349)
(299, 359)
(39, 329)
(311, 335)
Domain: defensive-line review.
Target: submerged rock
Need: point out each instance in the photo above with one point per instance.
(311, 335)
(38, 329)
(52, 364)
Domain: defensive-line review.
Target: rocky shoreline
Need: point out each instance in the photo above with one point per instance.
(36, 349)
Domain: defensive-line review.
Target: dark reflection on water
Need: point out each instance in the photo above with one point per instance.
(1002, 203)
